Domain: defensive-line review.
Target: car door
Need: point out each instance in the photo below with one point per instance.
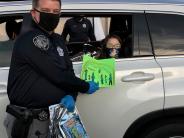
(167, 33)
(138, 89)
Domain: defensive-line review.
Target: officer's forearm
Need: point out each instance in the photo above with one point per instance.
(72, 83)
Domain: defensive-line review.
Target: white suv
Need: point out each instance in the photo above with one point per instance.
(147, 100)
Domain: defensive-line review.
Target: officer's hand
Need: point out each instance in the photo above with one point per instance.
(93, 87)
(68, 102)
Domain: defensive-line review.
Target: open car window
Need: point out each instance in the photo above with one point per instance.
(130, 28)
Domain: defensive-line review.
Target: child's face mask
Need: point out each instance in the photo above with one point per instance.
(113, 52)
(113, 48)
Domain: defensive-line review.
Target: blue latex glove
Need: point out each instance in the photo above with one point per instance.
(93, 87)
(68, 102)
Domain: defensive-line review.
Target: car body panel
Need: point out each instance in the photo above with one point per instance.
(3, 99)
(173, 71)
(108, 112)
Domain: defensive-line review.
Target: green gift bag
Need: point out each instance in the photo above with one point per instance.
(100, 71)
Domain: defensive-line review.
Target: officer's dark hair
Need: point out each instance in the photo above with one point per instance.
(35, 3)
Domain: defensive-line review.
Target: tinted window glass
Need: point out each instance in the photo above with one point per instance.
(142, 45)
(8, 32)
(167, 33)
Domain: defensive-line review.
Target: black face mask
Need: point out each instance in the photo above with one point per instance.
(48, 21)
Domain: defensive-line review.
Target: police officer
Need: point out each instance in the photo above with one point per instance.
(41, 74)
(79, 29)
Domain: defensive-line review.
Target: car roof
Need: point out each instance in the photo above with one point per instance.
(103, 1)
(125, 1)
(101, 5)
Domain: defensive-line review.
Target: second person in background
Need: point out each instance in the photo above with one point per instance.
(79, 29)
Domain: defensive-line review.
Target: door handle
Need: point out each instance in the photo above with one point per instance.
(3, 88)
(138, 76)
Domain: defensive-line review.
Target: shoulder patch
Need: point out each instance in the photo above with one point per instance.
(41, 42)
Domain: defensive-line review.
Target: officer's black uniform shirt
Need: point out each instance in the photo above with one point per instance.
(78, 31)
(41, 72)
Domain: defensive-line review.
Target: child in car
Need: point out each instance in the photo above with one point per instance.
(112, 46)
